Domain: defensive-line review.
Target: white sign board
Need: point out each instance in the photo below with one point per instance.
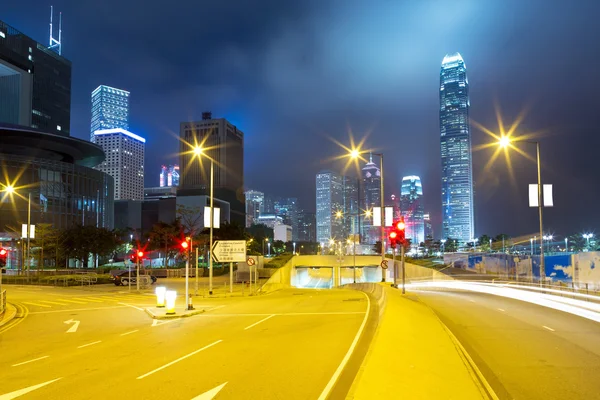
(216, 217)
(533, 195)
(24, 231)
(229, 251)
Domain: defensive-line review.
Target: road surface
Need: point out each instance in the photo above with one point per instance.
(525, 351)
(80, 344)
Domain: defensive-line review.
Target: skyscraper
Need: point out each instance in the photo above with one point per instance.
(428, 226)
(169, 176)
(336, 193)
(287, 208)
(254, 206)
(224, 144)
(411, 207)
(35, 84)
(306, 227)
(124, 161)
(371, 198)
(110, 109)
(457, 166)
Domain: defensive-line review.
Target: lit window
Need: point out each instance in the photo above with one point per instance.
(58, 128)
(2, 34)
(29, 57)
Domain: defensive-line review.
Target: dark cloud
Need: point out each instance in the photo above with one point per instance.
(293, 73)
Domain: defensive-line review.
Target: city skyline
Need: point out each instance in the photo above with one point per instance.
(268, 104)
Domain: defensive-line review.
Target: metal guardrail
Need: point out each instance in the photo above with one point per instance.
(88, 278)
(2, 301)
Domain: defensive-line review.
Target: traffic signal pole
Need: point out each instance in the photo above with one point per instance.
(403, 270)
(137, 274)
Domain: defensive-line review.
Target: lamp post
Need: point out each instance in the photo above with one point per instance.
(9, 189)
(355, 153)
(269, 246)
(566, 244)
(264, 241)
(443, 241)
(587, 237)
(294, 253)
(506, 142)
(548, 238)
(199, 151)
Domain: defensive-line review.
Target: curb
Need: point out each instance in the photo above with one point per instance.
(173, 316)
(9, 314)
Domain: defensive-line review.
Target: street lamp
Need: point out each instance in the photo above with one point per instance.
(566, 244)
(587, 237)
(548, 238)
(264, 241)
(443, 241)
(505, 142)
(269, 246)
(199, 152)
(355, 154)
(10, 189)
(294, 253)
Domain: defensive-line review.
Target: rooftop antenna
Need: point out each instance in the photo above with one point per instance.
(56, 44)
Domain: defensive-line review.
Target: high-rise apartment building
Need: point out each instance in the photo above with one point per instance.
(110, 109)
(124, 161)
(222, 142)
(169, 176)
(457, 167)
(371, 198)
(411, 207)
(35, 84)
(254, 206)
(337, 207)
(307, 231)
(287, 208)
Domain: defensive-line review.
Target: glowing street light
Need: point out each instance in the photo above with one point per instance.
(504, 141)
(587, 237)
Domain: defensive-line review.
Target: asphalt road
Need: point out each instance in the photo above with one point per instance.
(287, 345)
(525, 351)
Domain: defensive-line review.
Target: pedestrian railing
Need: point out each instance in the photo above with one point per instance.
(2, 301)
(86, 278)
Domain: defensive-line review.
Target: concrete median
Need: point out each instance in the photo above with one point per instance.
(414, 356)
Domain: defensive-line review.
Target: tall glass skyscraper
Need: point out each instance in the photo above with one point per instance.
(336, 193)
(110, 109)
(411, 207)
(457, 167)
(372, 198)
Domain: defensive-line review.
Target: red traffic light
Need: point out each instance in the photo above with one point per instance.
(3, 252)
(393, 235)
(140, 254)
(400, 225)
(185, 245)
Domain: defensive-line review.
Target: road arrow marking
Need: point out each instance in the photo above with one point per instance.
(74, 327)
(21, 392)
(210, 394)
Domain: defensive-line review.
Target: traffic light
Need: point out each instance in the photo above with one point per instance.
(185, 245)
(397, 235)
(3, 255)
(137, 256)
(140, 254)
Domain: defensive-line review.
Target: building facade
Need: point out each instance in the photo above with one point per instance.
(287, 209)
(371, 198)
(58, 174)
(124, 161)
(222, 142)
(270, 220)
(307, 229)
(283, 233)
(169, 176)
(110, 109)
(428, 226)
(337, 207)
(411, 207)
(254, 206)
(35, 84)
(457, 168)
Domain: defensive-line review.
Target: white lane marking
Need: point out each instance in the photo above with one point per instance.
(89, 344)
(501, 309)
(21, 392)
(76, 309)
(157, 322)
(88, 299)
(72, 329)
(211, 393)
(547, 327)
(129, 305)
(179, 359)
(262, 320)
(342, 365)
(472, 301)
(37, 304)
(129, 333)
(72, 301)
(27, 362)
(325, 313)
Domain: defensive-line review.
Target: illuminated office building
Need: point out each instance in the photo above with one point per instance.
(411, 208)
(110, 109)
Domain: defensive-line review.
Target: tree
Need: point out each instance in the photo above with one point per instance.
(278, 246)
(231, 231)
(165, 237)
(190, 218)
(484, 243)
(81, 241)
(451, 245)
(45, 239)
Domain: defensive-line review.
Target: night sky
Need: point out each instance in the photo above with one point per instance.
(293, 74)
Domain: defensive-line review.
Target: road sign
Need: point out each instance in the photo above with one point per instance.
(384, 264)
(250, 261)
(229, 251)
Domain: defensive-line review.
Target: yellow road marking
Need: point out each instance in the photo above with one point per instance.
(73, 301)
(82, 299)
(36, 304)
(53, 302)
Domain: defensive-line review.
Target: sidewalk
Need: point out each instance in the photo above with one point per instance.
(413, 356)
(8, 314)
